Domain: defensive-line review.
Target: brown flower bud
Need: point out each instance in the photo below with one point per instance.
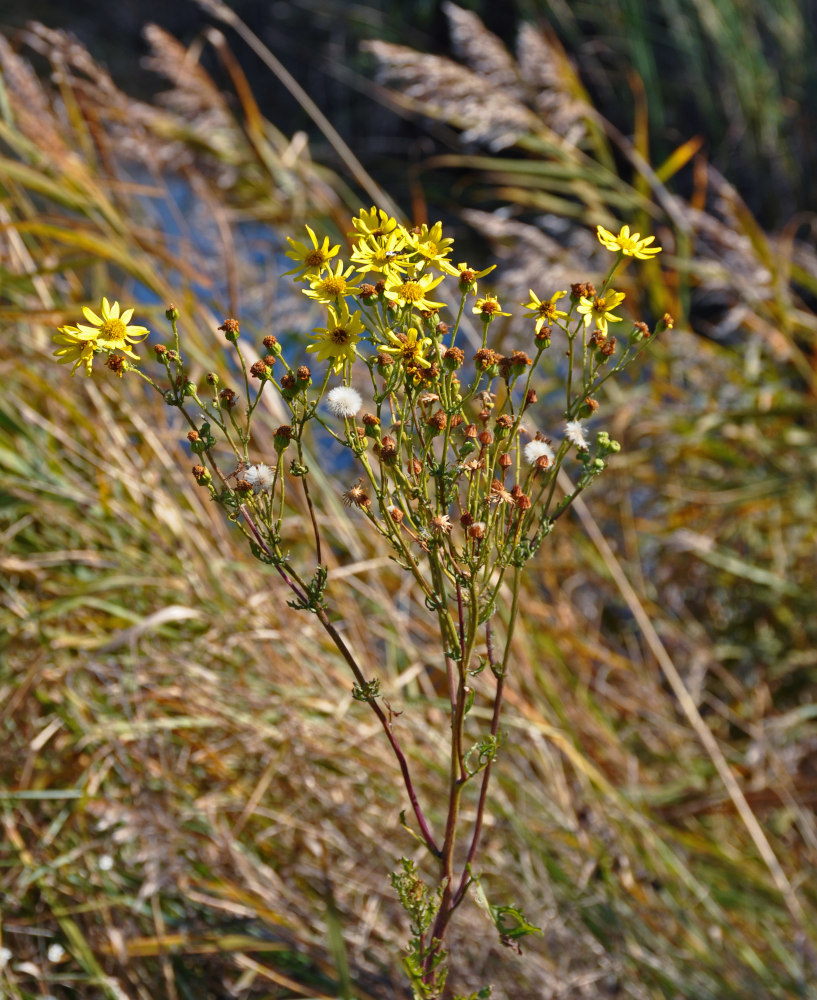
(242, 486)
(388, 449)
(367, 291)
(437, 420)
(269, 342)
(505, 460)
(303, 374)
(193, 436)
(116, 364)
(228, 397)
(530, 398)
(259, 370)
(476, 531)
(471, 431)
(523, 502)
(485, 358)
(230, 329)
(396, 514)
(467, 519)
(504, 422)
(485, 438)
(288, 381)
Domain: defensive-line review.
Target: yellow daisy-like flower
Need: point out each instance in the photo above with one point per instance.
(336, 341)
(109, 332)
(310, 258)
(412, 291)
(386, 256)
(630, 246)
(74, 346)
(374, 222)
(429, 244)
(410, 348)
(331, 285)
(546, 311)
(600, 309)
(487, 308)
(467, 276)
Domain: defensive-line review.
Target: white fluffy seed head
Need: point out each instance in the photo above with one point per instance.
(260, 477)
(344, 401)
(575, 434)
(534, 450)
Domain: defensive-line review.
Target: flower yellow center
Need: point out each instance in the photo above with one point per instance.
(340, 335)
(333, 285)
(489, 307)
(115, 331)
(411, 291)
(547, 309)
(428, 249)
(315, 258)
(599, 305)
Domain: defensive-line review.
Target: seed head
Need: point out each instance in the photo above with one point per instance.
(344, 401)
(356, 496)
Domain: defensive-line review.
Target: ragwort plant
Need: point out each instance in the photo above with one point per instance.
(450, 473)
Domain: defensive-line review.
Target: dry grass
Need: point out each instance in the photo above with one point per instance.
(160, 706)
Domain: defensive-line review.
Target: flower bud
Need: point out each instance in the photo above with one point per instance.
(172, 313)
(281, 438)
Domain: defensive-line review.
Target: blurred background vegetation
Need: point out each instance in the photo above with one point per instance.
(189, 795)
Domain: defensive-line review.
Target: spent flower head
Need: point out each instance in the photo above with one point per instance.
(344, 401)
(536, 450)
(574, 432)
(260, 477)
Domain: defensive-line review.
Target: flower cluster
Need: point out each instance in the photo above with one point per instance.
(454, 463)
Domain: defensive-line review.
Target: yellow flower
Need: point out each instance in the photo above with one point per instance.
(409, 349)
(332, 285)
(73, 346)
(108, 332)
(487, 308)
(386, 256)
(466, 275)
(600, 309)
(411, 291)
(336, 341)
(546, 311)
(430, 245)
(310, 258)
(375, 222)
(630, 246)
